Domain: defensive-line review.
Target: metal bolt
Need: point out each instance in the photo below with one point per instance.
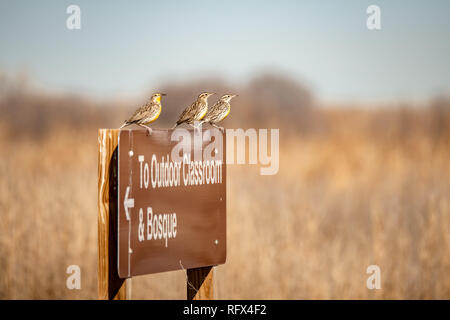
(216, 242)
(130, 153)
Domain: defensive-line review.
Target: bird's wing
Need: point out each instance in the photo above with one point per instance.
(188, 112)
(216, 112)
(211, 111)
(139, 114)
(153, 111)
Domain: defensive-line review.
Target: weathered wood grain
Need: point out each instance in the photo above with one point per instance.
(110, 286)
(200, 283)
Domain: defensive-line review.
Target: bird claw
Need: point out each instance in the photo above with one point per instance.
(220, 128)
(149, 131)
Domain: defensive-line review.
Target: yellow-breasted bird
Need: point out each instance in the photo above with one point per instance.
(219, 110)
(196, 111)
(146, 114)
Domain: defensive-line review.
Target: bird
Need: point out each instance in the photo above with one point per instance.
(196, 111)
(219, 111)
(146, 114)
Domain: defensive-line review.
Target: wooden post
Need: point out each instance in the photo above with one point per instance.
(110, 286)
(200, 283)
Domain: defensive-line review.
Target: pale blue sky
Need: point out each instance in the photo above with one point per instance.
(126, 47)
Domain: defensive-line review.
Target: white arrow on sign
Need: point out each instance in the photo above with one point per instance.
(128, 203)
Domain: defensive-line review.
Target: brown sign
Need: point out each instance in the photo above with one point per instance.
(172, 200)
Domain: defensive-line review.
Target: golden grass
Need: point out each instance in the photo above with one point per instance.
(360, 192)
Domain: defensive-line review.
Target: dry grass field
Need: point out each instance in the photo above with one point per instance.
(364, 186)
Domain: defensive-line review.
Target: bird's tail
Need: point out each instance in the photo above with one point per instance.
(176, 125)
(124, 124)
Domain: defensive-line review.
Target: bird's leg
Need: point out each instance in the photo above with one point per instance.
(149, 130)
(216, 126)
(193, 126)
(197, 126)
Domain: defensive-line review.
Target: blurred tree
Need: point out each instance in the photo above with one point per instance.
(277, 99)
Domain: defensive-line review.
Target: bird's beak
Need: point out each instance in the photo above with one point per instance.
(212, 93)
(234, 95)
(163, 94)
